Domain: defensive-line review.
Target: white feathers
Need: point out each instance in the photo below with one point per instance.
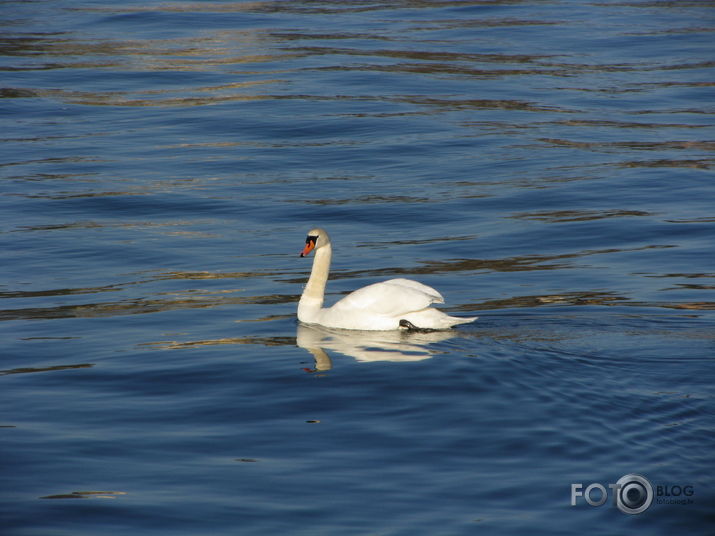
(380, 306)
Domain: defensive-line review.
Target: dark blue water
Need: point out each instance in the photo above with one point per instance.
(547, 166)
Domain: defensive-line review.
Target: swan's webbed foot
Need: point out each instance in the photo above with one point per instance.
(410, 326)
(407, 324)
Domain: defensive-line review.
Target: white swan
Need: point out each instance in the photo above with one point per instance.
(392, 304)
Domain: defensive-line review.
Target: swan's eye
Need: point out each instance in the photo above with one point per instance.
(312, 239)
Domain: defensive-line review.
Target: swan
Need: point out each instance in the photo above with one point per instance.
(389, 305)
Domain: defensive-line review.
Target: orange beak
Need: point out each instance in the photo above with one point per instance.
(309, 245)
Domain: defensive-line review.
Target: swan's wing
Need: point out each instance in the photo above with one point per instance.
(416, 285)
(391, 298)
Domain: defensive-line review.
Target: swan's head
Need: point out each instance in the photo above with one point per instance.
(317, 238)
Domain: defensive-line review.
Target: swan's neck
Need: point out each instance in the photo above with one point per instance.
(312, 299)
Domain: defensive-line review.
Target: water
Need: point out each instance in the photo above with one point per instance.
(547, 166)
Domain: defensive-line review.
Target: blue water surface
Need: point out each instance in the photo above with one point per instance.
(546, 166)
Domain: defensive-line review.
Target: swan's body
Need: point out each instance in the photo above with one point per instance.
(392, 304)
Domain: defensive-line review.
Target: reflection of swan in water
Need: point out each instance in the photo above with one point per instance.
(368, 345)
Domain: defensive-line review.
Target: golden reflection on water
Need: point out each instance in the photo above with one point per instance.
(155, 98)
(191, 299)
(256, 62)
(259, 64)
(561, 216)
(699, 163)
(620, 124)
(260, 57)
(247, 52)
(26, 370)
(646, 145)
(185, 345)
(575, 298)
(513, 264)
(202, 298)
(87, 495)
(698, 306)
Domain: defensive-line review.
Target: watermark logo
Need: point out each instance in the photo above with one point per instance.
(632, 494)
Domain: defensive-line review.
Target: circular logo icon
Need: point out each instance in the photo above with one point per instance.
(633, 494)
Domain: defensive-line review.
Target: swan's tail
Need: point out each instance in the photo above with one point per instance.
(432, 319)
(455, 320)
